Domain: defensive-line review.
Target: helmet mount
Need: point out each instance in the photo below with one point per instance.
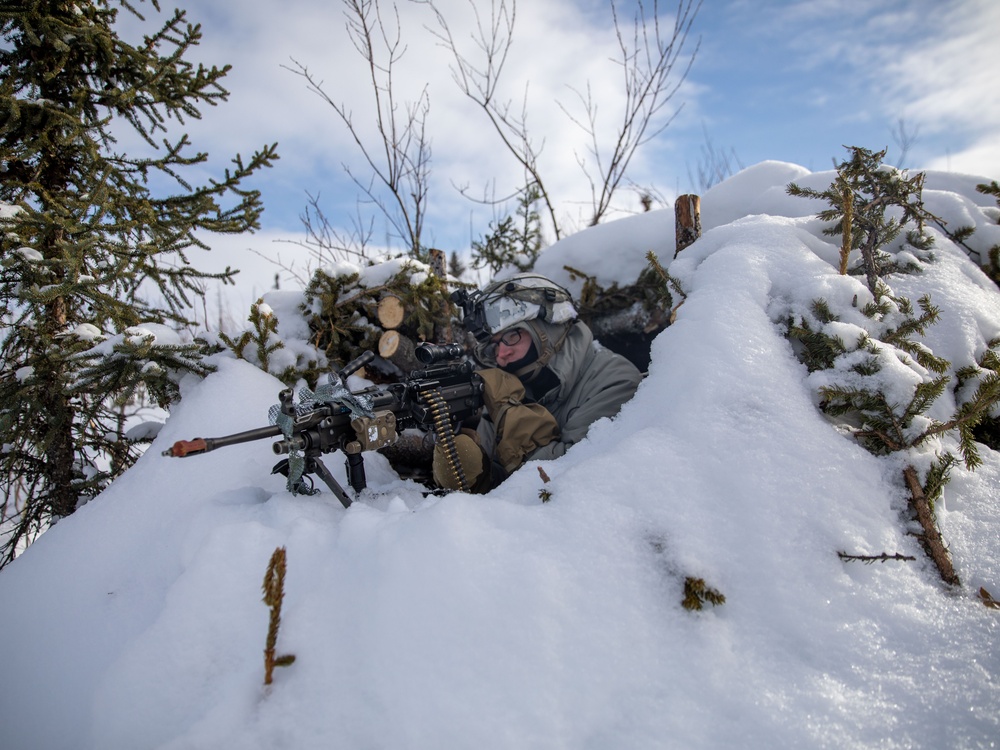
(504, 304)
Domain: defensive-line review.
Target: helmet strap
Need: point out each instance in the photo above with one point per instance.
(545, 348)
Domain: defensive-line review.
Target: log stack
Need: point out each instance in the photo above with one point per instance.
(395, 345)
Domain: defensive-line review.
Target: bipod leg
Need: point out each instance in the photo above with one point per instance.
(318, 468)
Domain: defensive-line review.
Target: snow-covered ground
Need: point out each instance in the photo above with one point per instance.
(505, 622)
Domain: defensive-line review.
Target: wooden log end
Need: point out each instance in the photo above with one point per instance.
(390, 312)
(398, 349)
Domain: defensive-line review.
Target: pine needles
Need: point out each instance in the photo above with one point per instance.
(882, 385)
(697, 594)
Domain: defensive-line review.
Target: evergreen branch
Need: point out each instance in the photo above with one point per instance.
(931, 537)
(697, 594)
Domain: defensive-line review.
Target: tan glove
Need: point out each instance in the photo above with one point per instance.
(520, 427)
(471, 459)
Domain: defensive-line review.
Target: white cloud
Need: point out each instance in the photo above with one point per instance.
(557, 48)
(947, 83)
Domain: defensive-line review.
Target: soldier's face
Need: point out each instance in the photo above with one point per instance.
(512, 346)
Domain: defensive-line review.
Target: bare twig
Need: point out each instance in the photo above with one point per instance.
(399, 159)
(869, 559)
(648, 57)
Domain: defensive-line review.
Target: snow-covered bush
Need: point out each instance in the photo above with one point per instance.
(873, 373)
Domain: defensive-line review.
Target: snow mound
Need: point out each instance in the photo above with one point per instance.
(508, 622)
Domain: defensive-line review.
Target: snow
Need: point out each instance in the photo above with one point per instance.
(87, 332)
(508, 622)
(30, 254)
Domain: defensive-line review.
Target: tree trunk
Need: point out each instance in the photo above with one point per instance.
(60, 453)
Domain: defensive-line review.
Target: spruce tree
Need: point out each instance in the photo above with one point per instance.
(516, 240)
(93, 271)
(860, 201)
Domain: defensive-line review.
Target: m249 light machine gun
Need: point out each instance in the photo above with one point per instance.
(438, 398)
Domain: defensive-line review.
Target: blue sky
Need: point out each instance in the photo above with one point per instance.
(783, 80)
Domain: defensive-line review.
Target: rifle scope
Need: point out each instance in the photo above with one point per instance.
(428, 354)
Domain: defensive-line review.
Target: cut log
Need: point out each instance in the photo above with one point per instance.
(400, 350)
(390, 312)
(687, 218)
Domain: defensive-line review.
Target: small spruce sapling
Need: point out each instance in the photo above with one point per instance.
(264, 337)
(262, 342)
(860, 382)
(515, 241)
(871, 203)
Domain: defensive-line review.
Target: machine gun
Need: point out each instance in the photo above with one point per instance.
(438, 398)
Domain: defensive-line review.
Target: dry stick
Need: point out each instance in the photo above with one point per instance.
(869, 559)
(847, 229)
(274, 593)
(931, 537)
(687, 221)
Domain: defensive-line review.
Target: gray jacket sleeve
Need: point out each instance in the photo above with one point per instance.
(610, 382)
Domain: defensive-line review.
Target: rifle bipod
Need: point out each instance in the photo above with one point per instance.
(314, 465)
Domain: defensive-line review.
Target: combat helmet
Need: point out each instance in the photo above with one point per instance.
(527, 301)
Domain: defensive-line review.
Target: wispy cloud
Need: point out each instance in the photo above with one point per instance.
(947, 82)
(776, 79)
(561, 48)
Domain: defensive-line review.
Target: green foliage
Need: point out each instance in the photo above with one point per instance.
(886, 411)
(258, 344)
(815, 349)
(992, 267)
(937, 477)
(883, 423)
(516, 240)
(340, 308)
(882, 384)
(94, 240)
(264, 336)
(652, 290)
(697, 594)
(873, 203)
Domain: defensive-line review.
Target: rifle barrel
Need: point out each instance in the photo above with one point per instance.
(183, 448)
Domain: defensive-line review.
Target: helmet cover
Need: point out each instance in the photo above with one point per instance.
(504, 304)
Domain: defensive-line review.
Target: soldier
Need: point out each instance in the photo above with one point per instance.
(545, 381)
